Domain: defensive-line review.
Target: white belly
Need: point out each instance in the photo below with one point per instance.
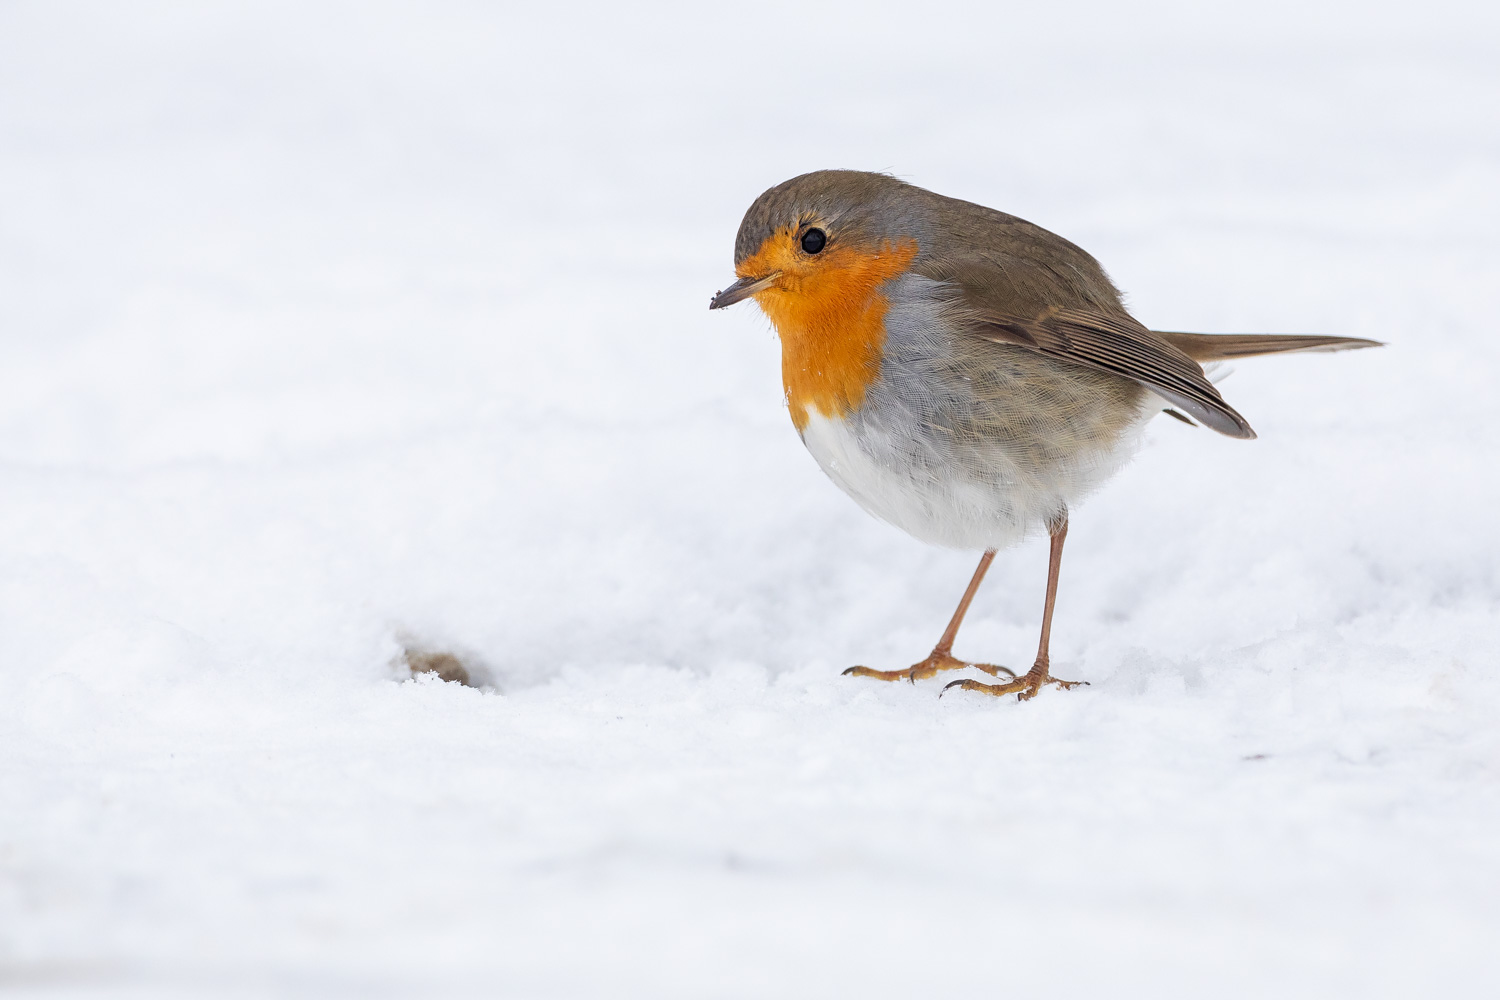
(970, 497)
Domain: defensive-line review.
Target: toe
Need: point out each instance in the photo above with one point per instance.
(995, 690)
(879, 675)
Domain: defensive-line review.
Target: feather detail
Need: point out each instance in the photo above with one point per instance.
(1222, 346)
(1119, 345)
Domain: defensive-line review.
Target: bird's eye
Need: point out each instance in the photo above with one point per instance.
(814, 240)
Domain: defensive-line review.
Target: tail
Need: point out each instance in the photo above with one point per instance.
(1223, 346)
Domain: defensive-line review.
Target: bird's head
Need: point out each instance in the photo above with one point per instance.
(822, 243)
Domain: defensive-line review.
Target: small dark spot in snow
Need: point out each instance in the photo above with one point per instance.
(1255, 756)
(445, 661)
(447, 666)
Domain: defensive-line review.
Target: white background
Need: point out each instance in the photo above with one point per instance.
(325, 328)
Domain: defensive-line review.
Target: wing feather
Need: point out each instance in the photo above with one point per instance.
(1121, 346)
(1223, 346)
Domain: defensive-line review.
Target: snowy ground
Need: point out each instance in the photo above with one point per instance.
(328, 329)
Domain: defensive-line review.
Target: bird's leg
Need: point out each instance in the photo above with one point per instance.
(1026, 687)
(942, 657)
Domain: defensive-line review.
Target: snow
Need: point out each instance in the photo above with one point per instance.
(329, 329)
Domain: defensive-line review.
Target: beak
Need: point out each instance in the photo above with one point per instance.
(742, 289)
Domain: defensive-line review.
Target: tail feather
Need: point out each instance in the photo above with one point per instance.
(1223, 346)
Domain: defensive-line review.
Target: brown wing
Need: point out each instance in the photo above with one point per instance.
(1121, 346)
(1223, 346)
(1023, 285)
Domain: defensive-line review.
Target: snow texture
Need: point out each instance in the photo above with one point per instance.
(333, 330)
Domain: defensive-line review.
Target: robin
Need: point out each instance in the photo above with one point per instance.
(963, 374)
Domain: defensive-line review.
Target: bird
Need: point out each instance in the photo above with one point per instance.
(965, 375)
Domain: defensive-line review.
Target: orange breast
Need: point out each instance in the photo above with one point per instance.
(830, 315)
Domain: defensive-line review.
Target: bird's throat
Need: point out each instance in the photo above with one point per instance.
(831, 320)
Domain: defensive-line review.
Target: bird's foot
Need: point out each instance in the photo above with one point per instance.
(940, 660)
(1024, 688)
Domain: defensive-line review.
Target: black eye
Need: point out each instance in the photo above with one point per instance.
(814, 240)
